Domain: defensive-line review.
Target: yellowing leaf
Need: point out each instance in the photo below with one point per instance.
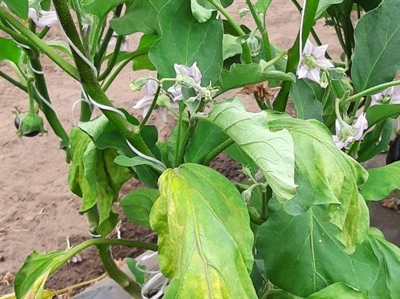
(205, 241)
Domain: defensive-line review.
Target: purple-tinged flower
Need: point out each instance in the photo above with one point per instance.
(312, 61)
(186, 76)
(347, 134)
(163, 100)
(390, 95)
(43, 18)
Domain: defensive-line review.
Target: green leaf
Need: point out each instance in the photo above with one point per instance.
(205, 138)
(142, 62)
(325, 175)
(137, 161)
(381, 182)
(323, 5)
(100, 8)
(230, 46)
(241, 75)
(137, 205)
(30, 279)
(133, 267)
(141, 16)
(183, 38)
(202, 9)
(309, 257)
(375, 141)
(9, 50)
(95, 178)
(368, 5)
(272, 151)
(376, 54)
(237, 154)
(338, 290)
(205, 241)
(305, 96)
(262, 5)
(18, 7)
(381, 112)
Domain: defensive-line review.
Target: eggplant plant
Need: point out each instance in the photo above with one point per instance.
(298, 225)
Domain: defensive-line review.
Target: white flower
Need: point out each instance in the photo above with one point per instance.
(347, 134)
(43, 18)
(186, 76)
(390, 95)
(144, 103)
(312, 61)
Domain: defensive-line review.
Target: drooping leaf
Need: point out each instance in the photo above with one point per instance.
(142, 62)
(137, 205)
(262, 5)
(141, 16)
(30, 279)
(19, 8)
(95, 178)
(230, 46)
(205, 241)
(376, 54)
(206, 138)
(183, 38)
(309, 258)
(9, 50)
(237, 154)
(325, 175)
(137, 161)
(272, 151)
(381, 182)
(241, 75)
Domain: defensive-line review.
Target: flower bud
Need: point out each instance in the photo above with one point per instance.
(138, 84)
(28, 124)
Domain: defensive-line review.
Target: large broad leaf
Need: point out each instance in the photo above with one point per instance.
(376, 53)
(381, 182)
(184, 41)
(241, 75)
(272, 151)
(325, 175)
(137, 205)
(368, 5)
(302, 256)
(95, 178)
(205, 241)
(20, 7)
(141, 16)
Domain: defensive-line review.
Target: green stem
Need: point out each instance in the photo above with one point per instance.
(153, 105)
(263, 31)
(245, 47)
(50, 114)
(372, 90)
(255, 219)
(91, 85)
(294, 55)
(121, 66)
(215, 152)
(106, 40)
(13, 81)
(38, 43)
(113, 59)
(115, 273)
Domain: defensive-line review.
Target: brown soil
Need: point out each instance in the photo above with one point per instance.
(38, 212)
